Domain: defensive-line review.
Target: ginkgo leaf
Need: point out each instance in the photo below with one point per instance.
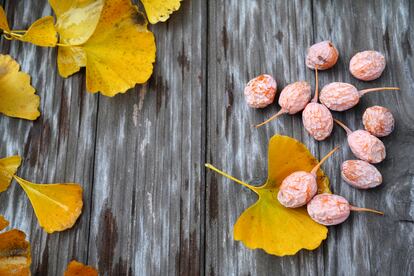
(4, 25)
(160, 10)
(3, 223)
(70, 60)
(269, 225)
(17, 96)
(15, 256)
(76, 20)
(121, 51)
(119, 54)
(57, 206)
(77, 268)
(8, 167)
(42, 33)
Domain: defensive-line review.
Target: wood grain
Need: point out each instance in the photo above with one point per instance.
(57, 147)
(271, 37)
(150, 206)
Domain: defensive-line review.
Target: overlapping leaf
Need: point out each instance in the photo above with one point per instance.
(119, 53)
(8, 167)
(15, 258)
(42, 32)
(267, 224)
(160, 10)
(17, 96)
(108, 37)
(77, 268)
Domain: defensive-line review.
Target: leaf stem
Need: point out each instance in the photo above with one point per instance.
(316, 168)
(363, 92)
(315, 98)
(347, 130)
(359, 209)
(211, 167)
(282, 111)
(18, 34)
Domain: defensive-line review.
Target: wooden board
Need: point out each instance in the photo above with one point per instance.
(150, 206)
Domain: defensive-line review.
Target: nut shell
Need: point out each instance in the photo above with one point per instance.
(323, 54)
(297, 189)
(328, 209)
(378, 120)
(366, 147)
(360, 174)
(339, 96)
(295, 96)
(260, 91)
(367, 65)
(317, 120)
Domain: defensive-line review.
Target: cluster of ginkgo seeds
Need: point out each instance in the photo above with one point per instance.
(300, 188)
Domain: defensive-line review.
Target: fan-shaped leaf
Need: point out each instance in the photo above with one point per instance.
(17, 96)
(269, 225)
(57, 206)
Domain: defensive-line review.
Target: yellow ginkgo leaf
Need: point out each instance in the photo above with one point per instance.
(160, 10)
(42, 33)
(121, 51)
(17, 96)
(76, 19)
(8, 167)
(15, 256)
(4, 25)
(3, 223)
(57, 206)
(76, 22)
(77, 268)
(119, 54)
(269, 225)
(70, 60)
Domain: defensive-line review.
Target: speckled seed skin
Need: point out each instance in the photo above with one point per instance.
(297, 189)
(339, 96)
(323, 54)
(295, 97)
(328, 209)
(367, 65)
(260, 91)
(366, 147)
(360, 174)
(317, 120)
(378, 120)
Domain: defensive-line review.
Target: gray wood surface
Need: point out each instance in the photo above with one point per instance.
(150, 208)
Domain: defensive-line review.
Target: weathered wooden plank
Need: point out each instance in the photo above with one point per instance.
(370, 244)
(148, 196)
(255, 37)
(148, 185)
(57, 147)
